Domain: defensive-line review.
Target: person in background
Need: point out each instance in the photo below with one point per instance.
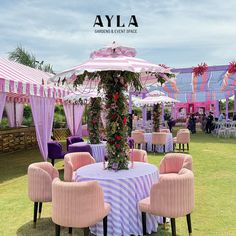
(234, 117)
(203, 121)
(192, 124)
(209, 123)
(221, 117)
(170, 123)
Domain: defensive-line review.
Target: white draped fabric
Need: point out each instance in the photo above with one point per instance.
(2, 103)
(74, 113)
(12, 120)
(43, 111)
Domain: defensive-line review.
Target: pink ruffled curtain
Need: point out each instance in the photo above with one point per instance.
(43, 110)
(74, 118)
(10, 113)
(2, 103)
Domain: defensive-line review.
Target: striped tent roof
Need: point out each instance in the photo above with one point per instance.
(18, 80)
(210, 87)
(122, 63)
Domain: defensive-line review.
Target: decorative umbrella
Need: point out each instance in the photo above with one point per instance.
(114, 69)
(157, 100)
(114, 58)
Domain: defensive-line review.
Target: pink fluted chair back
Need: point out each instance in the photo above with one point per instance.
(174, 162)
(78, 204)
(183, 137)
(75, 160)
(164, 130)
(138, 137)
(173, 195)
(40, 177)
(159, 138)
(139, 155)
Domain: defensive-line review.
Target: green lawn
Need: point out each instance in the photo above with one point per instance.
(214, 163)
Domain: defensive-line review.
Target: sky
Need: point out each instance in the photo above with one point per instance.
(178, 33)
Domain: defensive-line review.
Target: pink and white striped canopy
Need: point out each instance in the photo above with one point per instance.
(121, 63)
(18, 80)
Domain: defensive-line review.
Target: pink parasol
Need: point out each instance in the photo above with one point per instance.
(116, 58)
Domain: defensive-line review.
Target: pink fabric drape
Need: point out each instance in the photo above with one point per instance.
(11, 113)
(2, 103)
(74, 113)
(43, 110)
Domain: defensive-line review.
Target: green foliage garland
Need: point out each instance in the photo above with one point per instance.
(94, 111)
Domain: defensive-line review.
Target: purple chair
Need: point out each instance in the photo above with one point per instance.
(55, 151)
(73, 139)
(80, 147)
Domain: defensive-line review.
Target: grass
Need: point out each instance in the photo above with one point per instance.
(214, 164)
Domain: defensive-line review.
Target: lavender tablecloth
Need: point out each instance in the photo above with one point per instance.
(99, 151)
(123, 190)
(159, 148)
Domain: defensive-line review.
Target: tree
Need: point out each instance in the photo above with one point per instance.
(21, 56)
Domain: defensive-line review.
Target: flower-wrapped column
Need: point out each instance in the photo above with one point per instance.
(94, 111)
(116, 129)
(156, 117)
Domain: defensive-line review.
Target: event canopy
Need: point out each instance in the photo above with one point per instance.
(214, 84)
(20, 84)
(116, 58)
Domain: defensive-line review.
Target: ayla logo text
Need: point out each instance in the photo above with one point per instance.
(109, 22)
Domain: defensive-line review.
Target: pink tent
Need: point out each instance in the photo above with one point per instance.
(21, 84)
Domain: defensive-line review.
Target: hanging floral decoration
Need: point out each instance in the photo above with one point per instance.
(94, 111)
(200, 69)
(232, 67)
(230, 70)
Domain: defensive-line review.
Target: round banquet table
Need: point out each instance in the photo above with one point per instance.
(159, 148)
(123, 190)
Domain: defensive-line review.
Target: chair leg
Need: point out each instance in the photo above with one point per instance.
(40, 209)
(105, 226)
(189, 224)
(164, 148)
(52, 161)
(70, 230)
(187, 146)
(183, 147)
(164, 222)
(173, 228)
(179, 147)
(35, 213)
(57, 230)
(86, 231)
(144, 223)
(174, 146)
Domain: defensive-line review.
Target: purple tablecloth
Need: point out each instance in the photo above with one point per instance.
(123, 190)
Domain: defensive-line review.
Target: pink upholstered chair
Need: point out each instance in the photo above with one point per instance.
(183, 137)
(78, 205)
(139, 155)
(172, 197)
(159, 138)
(164, 130)
(40, 177)
(73, 161)
(138, 137)
(174, 162)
